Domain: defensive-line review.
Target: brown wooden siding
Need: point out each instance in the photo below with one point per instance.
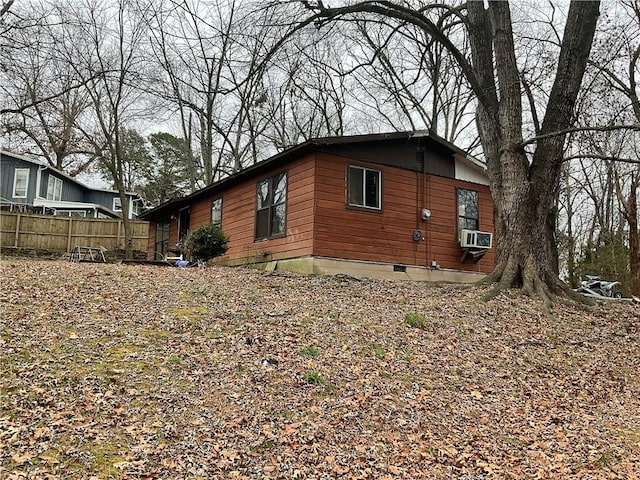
(442, 234)
(360, 234)
(387, 235)
(238, 217)
(319, 222)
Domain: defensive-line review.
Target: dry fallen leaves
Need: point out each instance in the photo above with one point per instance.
(142, 372)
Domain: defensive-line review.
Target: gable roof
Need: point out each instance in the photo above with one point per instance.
(314, 144)
(41, 163)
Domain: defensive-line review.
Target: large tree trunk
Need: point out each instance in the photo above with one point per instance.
(630, 214)
(525, 189)
(523, 211)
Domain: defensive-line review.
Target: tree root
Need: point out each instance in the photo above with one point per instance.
(507, 278)
(533, 280)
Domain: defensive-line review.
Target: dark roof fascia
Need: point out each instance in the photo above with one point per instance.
(417, 134)
(314, 144)
(278, 159)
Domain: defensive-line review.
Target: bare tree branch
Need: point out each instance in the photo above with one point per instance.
(5, 7)
(38, 101)
(609, 128)
(601, 157)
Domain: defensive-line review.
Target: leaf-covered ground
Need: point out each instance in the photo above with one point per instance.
(145, 372)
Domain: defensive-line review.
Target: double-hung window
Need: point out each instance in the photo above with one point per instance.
(364, 187)
(271, 207)
(54, 189)
(20, 182)
(117, 204)
(467, 210)
(216, 212)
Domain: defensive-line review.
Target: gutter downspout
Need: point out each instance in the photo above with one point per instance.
(41, 169)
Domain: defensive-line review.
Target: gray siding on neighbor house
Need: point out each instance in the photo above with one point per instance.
(8, 166)
(101, 197)
(71, 192)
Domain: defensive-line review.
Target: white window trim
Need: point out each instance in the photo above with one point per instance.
(71, 213)
(116, 209)
(54, 182)
(15, 182)
(364, 186)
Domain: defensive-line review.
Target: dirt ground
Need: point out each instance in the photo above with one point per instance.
(114, 371)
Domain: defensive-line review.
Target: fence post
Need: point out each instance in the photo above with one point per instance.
(69, 235)
(17, 236)
(118, 235)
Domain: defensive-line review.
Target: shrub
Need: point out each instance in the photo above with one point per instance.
(206, 242)
(311, 352)
(314, 378)
(377, 350)
(416, 320)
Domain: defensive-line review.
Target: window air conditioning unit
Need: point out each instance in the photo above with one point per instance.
(475, 239)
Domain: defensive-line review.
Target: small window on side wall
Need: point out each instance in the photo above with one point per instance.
(468, 218)
(20, 182)
(216, 212)
(117, 204)
(364, 187)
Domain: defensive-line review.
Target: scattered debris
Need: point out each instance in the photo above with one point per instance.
(594, 286)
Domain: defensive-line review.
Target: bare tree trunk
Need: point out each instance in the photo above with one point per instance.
(525, 195)
(571, 241)
(629, 210)
(634, 240)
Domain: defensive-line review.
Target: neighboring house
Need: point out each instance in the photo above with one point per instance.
(28, 184)
(386, 205)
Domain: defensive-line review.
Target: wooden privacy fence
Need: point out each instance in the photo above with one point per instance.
(49, 232)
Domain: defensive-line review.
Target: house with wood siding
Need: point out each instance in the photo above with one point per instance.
(398, 205)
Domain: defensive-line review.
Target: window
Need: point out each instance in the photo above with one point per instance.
(136, 207)
(20, 183)
(70, 213)
(271, 206)
(162, 240)
(54, 189)
(467, 210)
(216, 212)
(364, 187)
(117, 204)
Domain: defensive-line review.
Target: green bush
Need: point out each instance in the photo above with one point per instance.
(416, 320)
(311, 352)
(206, 242)
(314, 378)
